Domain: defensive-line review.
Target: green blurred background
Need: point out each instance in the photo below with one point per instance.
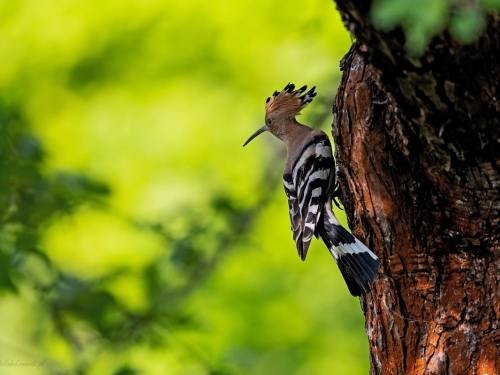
(137, 235)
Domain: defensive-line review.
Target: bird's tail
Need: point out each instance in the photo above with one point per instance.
(357, 263)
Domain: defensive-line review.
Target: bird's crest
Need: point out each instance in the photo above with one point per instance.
(289, 101)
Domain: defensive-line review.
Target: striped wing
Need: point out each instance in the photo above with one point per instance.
(307, 189)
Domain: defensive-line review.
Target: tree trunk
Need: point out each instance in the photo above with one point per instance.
(418, 150)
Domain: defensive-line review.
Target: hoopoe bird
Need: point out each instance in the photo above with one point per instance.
(309, 180)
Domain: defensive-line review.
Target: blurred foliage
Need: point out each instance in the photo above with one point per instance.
(421, 22)
(137, 235)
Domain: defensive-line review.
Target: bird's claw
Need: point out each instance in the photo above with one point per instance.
(336, 195)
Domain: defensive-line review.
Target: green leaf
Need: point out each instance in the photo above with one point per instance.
(466, 25)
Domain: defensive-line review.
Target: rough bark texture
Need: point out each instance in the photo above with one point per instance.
(418, 147)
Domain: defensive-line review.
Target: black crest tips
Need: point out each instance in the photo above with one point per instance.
(302, 89)
(276, 93)
(267, 100)
(308, 96)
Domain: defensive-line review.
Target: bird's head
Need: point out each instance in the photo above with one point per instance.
(281, 109)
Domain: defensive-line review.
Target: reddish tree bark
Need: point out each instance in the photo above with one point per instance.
(418, 147)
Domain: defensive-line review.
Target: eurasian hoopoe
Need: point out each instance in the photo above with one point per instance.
(309, 179)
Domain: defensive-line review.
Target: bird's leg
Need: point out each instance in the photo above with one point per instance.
(337, 191)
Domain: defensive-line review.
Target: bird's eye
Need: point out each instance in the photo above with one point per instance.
(269, 121)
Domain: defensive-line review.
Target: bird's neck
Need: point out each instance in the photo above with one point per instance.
(296, 132)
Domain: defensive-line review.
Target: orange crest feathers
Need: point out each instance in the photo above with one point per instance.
(288, 101)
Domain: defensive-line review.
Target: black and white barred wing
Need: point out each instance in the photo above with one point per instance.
(293, 209)
(306, 188)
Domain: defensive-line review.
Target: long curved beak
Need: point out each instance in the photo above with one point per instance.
(261, 130)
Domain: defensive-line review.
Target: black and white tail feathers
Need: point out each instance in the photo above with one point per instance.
(356, 262)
